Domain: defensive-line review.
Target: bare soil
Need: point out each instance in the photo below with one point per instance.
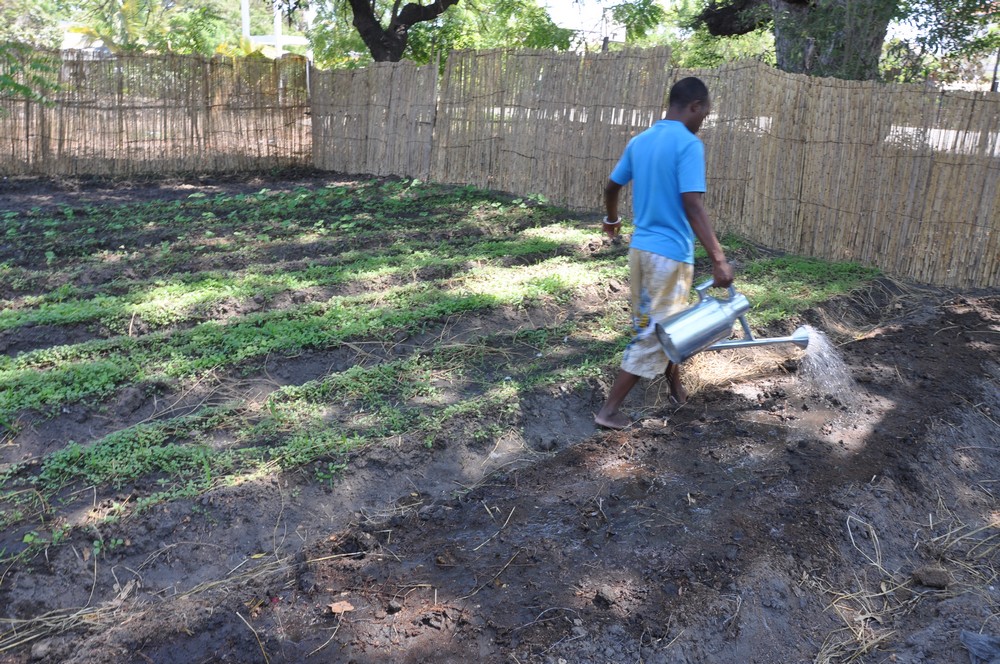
(768, 520)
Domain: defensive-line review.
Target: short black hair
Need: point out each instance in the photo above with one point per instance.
(687, 90)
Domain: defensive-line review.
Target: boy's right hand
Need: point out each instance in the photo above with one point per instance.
(722, 274)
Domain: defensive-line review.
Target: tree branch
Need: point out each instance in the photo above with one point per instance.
(414, 13)
(388, 44)
(734, 17)
(370, 30)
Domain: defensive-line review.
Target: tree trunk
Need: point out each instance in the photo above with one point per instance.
(840, 38)
(388, 44)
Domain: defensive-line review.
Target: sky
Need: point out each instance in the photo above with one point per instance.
(586, 16)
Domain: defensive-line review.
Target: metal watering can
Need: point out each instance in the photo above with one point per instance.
(704, 325)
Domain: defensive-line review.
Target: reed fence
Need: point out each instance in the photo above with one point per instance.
(542, 122)
(141, 114)
(894, 176)
(898, 177)
(375, 120)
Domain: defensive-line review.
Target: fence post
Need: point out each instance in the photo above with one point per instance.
(435, 102)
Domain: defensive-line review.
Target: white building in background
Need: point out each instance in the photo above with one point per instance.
(277, 40)
(74, 41)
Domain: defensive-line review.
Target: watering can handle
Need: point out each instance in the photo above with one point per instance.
(703, 287)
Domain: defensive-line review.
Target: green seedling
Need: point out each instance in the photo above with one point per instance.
(328, 472)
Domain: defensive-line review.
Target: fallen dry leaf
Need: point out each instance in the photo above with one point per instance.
(341, 607)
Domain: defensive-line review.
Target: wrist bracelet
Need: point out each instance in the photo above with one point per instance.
(612, 223)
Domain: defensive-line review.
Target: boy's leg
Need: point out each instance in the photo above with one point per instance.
(610, 417)
(661, 291)
(659, 287)
(677, 390)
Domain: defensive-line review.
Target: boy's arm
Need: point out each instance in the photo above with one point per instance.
(694, 207)
(611, 192)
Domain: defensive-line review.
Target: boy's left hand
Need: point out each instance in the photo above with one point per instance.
(611, 230)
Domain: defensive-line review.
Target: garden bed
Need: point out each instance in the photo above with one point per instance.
(307, 417)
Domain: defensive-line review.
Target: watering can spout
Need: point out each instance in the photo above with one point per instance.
(800, 337)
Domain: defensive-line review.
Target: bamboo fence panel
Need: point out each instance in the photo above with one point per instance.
(734, 134)
(898, 177)
(340, 120)
(757, 126)
(341, 108)
(543, 122)
(462, 148)
(956, 235)
(376, 120)
(141, 114)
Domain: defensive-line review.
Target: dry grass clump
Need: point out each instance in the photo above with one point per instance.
(720, 368)
(880, 598)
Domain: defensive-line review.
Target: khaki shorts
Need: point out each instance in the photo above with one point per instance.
(660, 287)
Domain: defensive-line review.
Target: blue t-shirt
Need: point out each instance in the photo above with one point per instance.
(665, 161)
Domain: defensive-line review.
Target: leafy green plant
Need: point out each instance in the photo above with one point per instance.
(328, 472)
(27, 73)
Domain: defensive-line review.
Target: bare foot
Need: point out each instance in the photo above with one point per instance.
(613, 421)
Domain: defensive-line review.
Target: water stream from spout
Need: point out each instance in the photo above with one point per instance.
(823, 370)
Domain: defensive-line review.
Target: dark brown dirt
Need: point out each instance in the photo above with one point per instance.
(769, 520)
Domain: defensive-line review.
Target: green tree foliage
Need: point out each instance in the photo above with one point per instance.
(26, 73)
(385, 29)
(948, 36)
(25, 26)
(952, 26)
(471, 24)
(335, 42)
(354, 32)
(193, 30)
(692, 46)
(504, 24)
(640, 18)
(121, 27)
(165, 26)
(34, 22)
